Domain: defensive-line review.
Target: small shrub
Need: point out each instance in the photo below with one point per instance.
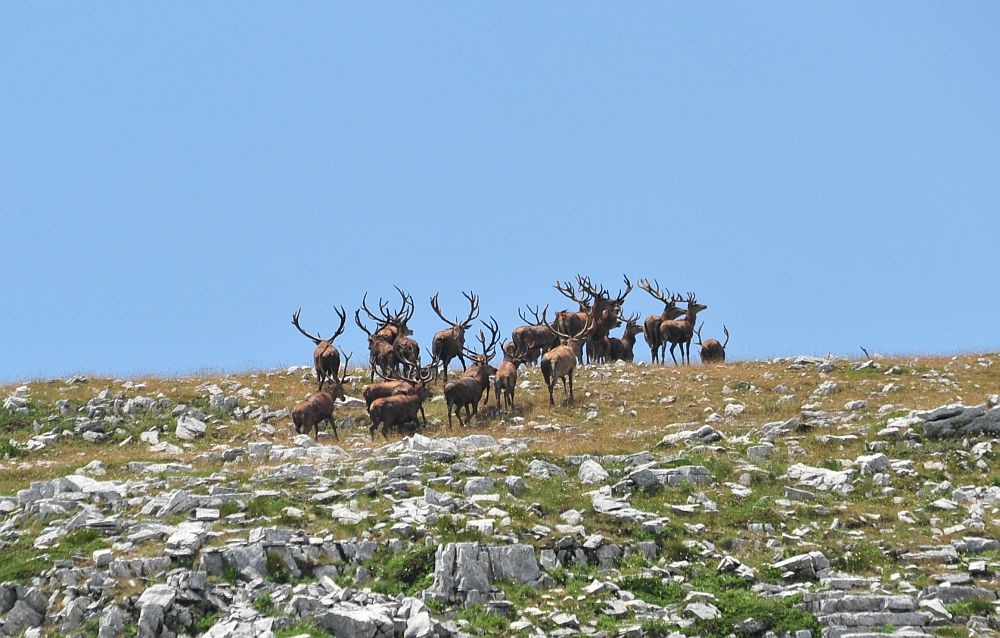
(972, 608)
(653, 590)
(264, 604)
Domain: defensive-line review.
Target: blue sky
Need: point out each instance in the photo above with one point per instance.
(177, 177)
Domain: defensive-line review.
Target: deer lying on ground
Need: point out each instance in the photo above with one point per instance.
(681, 332)
(448, 344)
(320, 406)
(651, 327)
(505, 380)
(326, 358)
(400, 409)
(468, 390)
(622, 349)
(711, 350)
(534, 338)
(560, 362)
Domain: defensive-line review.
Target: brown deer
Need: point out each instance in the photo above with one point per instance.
(560, 362)
(651, 327)
(568, 321)
(469, 389)
(622, 349)
(391, 326)
(320, 406)
(505, 381)
(399, 409)
(711, 350)
(448, 344)
(534, 338)
(326, 357)
(396, 385)
(681, 332)
(606, 313)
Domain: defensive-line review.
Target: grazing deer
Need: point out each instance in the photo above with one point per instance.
(560, 362)
(448, 344)
(681, 332)
(505, 380)
(711, 350)
(469, 389)
(326, 358)
(320, 406)
(622, 349)
(651, 327)
(399, 409)
(534, 338)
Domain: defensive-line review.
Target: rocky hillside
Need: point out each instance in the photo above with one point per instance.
(794, 497)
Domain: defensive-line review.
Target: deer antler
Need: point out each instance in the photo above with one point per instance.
(295, 322)
(587, 287)
(697, 333)
(538, 320)
(347, 361)
(725, 330)
(343, 321)
(621, 295)
(656, 293)
(364, 306)
(357, 320)
(569, 292)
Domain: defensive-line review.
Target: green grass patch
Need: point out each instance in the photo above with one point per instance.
(972, 608)
(407, 572)
(483, 622)
(80, 543)
(653, 590)
(20, 563)
(264, 604)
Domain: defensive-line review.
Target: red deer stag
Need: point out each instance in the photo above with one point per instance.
(560, 362)
(320, 406)
(534, 338)
(383, 351)
(711, 350)
(448, 343)
(505, 380)
(326, 358)
(395, 385)
(607, 315)
(681, 332)
(468, 390)
(622, 349)
(651, 327)
(568, 321)
(399, 409)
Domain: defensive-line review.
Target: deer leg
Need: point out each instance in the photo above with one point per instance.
(571, 387)
(423, 416)
(449, 417)
(333, 426)
(461, 359)
(551, 385)
(672, 346)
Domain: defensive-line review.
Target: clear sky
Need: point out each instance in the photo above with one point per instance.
(177, 177)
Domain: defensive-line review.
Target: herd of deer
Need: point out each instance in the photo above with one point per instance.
(397, 400)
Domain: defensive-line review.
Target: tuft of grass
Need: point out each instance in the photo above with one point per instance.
(972, 608)
(407, 572)
(264, 604)
(19, 563)
(483, 622)
(653, 590)
(80, 543)
(863, 558)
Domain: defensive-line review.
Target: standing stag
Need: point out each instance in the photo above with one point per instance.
(569, 321)
(468, 390)
(534, 338)
(383, 352)
(396, 385)
(607, 315)
(320, 406)
(651, 327)
(560, 362)
(399, 409)
(506, 377)
(711, 350)
(326, 358)
(448, 343)
(622, 349)
(681, 332)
